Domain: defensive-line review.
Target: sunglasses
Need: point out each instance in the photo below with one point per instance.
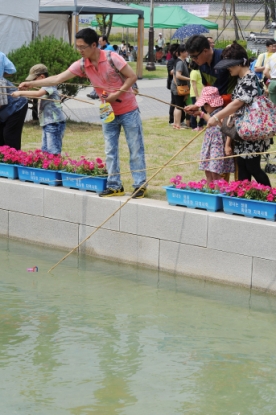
(80, 48)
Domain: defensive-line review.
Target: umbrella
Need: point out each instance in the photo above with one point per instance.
(189, 30)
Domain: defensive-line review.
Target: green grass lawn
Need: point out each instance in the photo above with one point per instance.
(161, 143)
(160, 72)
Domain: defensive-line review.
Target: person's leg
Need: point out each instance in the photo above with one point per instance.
(2, 126)
(243, 173)
(193, 120)
(179, 114)
(272, 91)
(177, 117)
(171, 110)
(132, 125)
(52, 137)
(13, 127)
(253, 165)
(111, 132)
(208, 175)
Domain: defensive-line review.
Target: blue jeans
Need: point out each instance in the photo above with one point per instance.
(132, 125)
(52, 135)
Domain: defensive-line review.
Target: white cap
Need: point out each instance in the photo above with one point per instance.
(160, 34)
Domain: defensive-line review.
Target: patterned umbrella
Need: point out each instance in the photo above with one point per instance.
(189, 30)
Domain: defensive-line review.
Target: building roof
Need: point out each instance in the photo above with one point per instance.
(86, 7)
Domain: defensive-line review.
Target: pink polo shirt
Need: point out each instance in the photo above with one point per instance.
(105, 78)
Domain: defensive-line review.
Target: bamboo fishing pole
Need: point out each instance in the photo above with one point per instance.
(128, 199)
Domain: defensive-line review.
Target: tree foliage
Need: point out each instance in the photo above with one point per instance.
(56, 54)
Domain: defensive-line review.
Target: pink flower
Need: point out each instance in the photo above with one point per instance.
(270, 197)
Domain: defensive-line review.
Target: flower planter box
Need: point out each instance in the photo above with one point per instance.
(8, 170)
(32, 174)
(249, 208)
(83, 182)
(195, 200)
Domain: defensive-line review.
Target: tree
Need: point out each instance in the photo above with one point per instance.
(56, 54)
(105, 23)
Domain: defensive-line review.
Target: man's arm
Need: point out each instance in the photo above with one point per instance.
(50, 81)
(9, 67)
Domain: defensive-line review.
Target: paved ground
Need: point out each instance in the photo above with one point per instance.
(149, 108)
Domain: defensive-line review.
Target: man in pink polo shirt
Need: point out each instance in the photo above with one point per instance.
(105, 78)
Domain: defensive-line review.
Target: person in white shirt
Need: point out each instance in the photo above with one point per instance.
(270, 73)
(160, 41)
(264, 57)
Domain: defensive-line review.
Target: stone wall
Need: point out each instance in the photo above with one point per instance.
(215, 246)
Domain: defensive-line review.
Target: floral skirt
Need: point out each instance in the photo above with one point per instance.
(213, 147)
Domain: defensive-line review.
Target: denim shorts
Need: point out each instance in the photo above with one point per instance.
(52, 135)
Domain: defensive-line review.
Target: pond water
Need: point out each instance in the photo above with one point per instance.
(96, 337)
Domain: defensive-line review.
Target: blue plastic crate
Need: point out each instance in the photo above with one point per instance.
(195, 200)
(83, 182)
(249, 208)
(32, 174)
(8, 170)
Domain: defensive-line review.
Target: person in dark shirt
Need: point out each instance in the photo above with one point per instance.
(206, 57)
(170, 65)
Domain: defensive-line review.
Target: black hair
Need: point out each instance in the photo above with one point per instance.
(104, 37)
(88, 35)
(115, 47)
(43, 73)
(197, 43)
(173, 48)
(181, 48)
(270, 42)
(236, 51)
(194, 65)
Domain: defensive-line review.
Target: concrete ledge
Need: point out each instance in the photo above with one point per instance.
(215, 246)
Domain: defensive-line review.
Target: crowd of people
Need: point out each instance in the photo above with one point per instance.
(207, 85)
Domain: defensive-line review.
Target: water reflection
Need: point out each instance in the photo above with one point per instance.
(98, 338)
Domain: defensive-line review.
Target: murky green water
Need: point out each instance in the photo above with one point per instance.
(99, 338)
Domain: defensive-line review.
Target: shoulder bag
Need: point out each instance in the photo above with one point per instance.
(258, 121)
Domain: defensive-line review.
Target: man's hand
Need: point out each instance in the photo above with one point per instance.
(191, 109)
(112, 97)
(25, 86)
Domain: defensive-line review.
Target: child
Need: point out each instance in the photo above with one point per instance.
(214, 141)
(195, 91)
(51, 117)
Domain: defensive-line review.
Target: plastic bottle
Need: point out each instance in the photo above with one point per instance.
(106, 111)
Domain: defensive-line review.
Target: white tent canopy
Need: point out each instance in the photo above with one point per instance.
(52, 20)
(73, 8)
(18, 23)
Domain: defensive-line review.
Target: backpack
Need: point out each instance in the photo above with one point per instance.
(252, 68)
(110, 61)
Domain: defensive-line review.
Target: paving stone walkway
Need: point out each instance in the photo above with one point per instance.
(79, 111)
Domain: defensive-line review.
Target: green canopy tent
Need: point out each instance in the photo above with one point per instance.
(165, 17)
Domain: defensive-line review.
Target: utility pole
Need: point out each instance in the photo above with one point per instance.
(224, 14)
(150, 65)
(235, 20)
